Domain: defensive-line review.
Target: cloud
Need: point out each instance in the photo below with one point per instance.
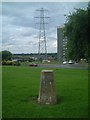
(45, 1)
(18, 14)
(20, 33)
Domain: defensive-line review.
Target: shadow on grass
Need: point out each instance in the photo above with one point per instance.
(60, 99)
(30, 98)
(34, 99)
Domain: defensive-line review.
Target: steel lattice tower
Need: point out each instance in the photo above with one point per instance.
(42, 48)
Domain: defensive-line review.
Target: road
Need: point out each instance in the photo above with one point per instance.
(73, 66)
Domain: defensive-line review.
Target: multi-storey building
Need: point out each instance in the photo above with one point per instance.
(61, 44)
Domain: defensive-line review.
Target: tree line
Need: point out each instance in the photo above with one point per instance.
(76, 31)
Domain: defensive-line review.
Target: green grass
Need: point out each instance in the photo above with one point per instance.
(0, 92)
(21, 87)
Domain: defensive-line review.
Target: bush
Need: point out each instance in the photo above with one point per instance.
(10, 63)
(17, 63)
(4, 62)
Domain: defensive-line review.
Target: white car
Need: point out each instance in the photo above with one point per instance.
(70, 62)
(65, 62)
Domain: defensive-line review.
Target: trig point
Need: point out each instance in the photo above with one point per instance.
(47, 94)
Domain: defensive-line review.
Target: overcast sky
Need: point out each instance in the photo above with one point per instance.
(19, 31)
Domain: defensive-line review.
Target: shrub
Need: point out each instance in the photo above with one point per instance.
(17, 63)
(10, 63)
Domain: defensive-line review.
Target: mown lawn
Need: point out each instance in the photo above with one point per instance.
(21, 87)
(0, 92)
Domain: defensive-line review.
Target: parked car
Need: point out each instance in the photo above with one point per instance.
(33, 65)
(65, 62)
(71, 62)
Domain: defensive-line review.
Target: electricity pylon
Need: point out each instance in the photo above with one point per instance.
(42, 47)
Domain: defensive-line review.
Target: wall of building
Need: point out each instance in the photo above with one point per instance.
(61, 45)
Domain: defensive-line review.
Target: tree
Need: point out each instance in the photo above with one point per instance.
(6, 55)
(76, 31)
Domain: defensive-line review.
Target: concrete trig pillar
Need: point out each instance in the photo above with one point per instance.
(47, 93)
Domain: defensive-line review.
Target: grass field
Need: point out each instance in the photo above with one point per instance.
(21, 87)
(0, 92)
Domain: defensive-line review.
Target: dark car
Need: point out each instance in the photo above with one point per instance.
(33, 65)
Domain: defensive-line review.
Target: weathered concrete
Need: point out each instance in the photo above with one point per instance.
(47, 93)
